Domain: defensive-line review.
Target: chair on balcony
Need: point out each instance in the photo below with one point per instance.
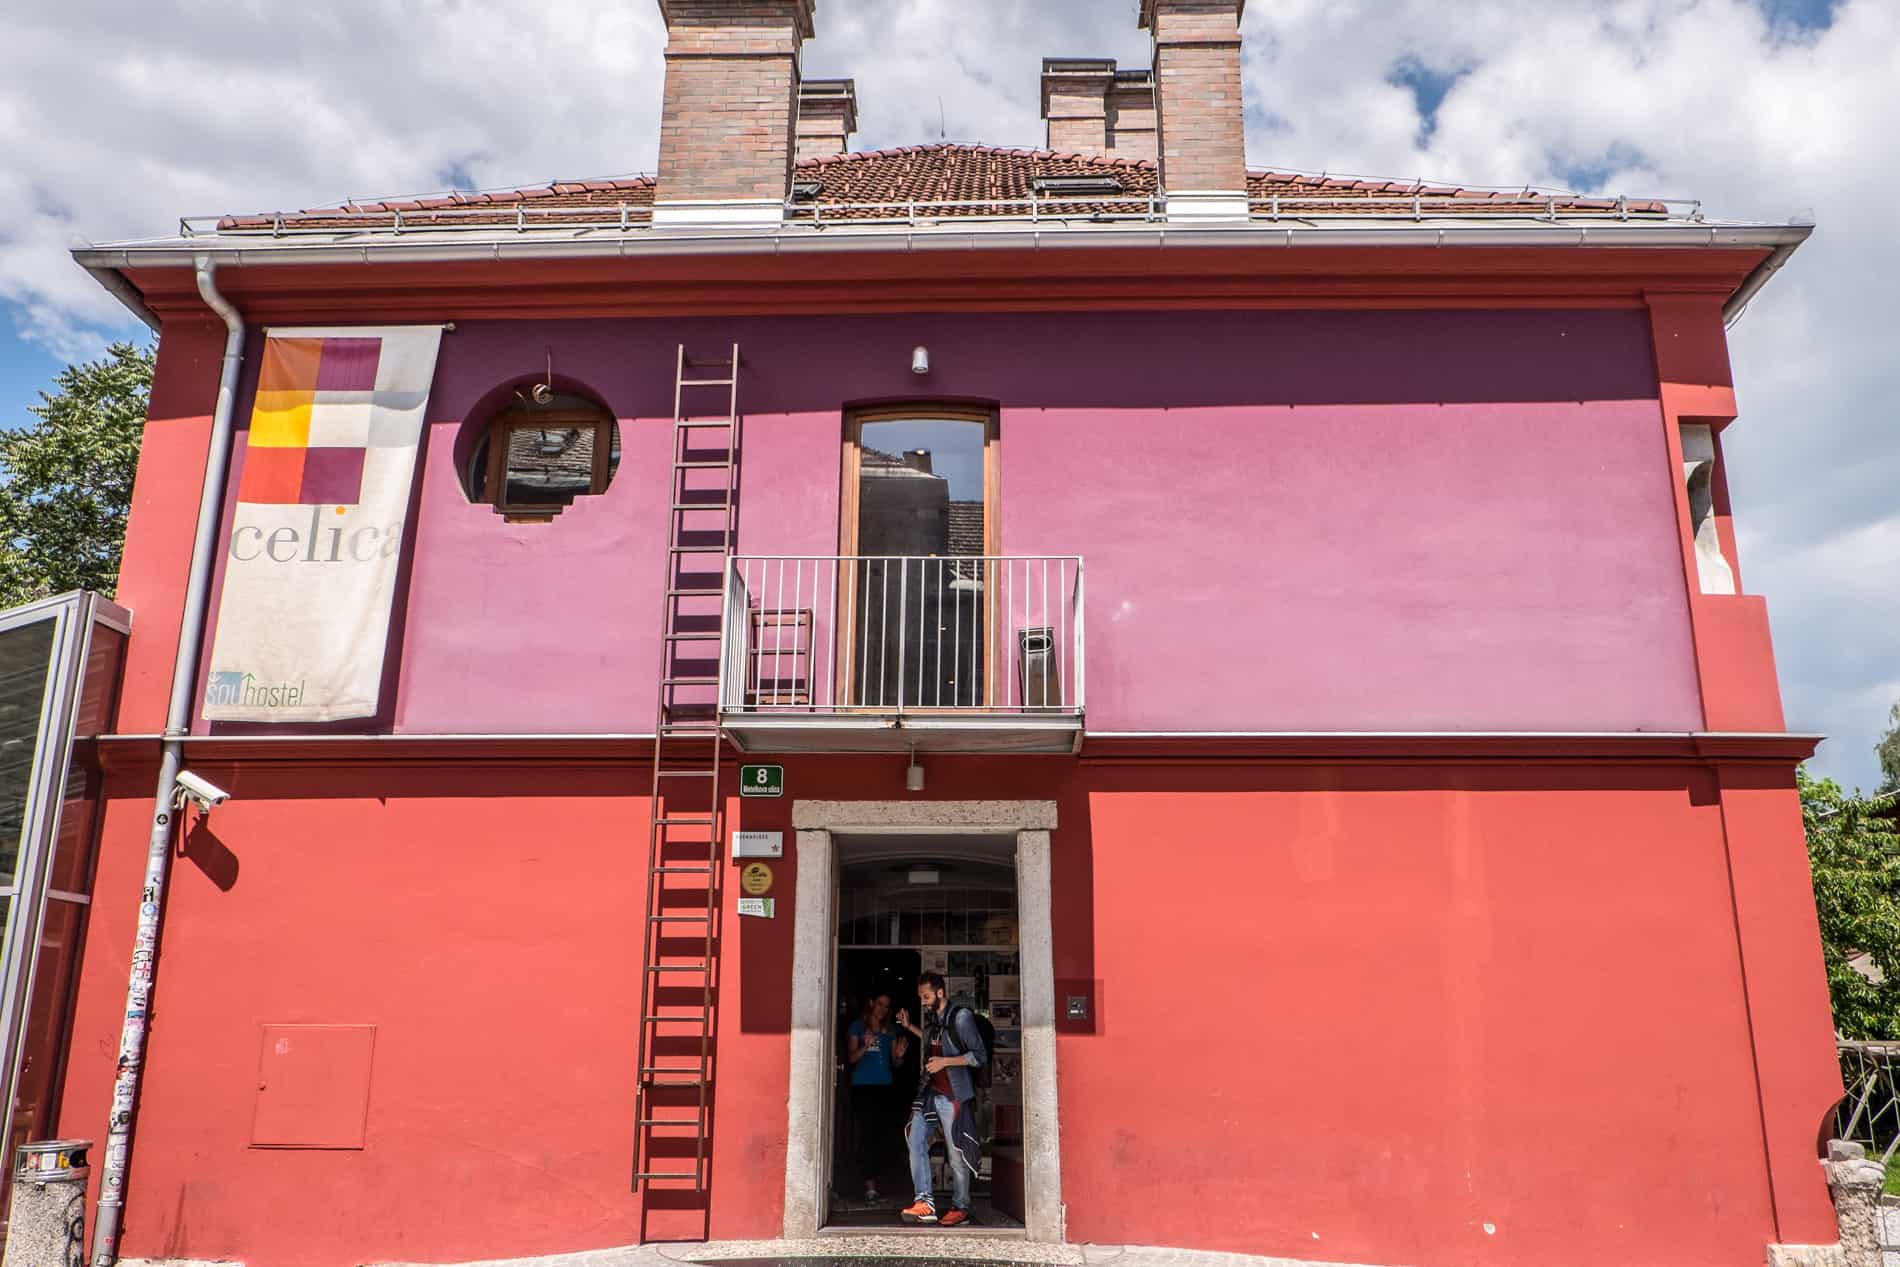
(778, 672)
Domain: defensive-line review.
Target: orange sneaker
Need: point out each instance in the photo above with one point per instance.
(920, 1212)
(954, 1218)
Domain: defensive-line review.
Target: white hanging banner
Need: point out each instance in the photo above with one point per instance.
(310, 565)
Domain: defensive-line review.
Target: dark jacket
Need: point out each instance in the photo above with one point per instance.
(961, 1037)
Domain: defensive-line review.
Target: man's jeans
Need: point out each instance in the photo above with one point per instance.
(959, 1140)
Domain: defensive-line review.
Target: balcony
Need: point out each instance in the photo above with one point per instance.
(833, 653)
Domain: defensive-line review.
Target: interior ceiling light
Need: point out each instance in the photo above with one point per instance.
(933, 865)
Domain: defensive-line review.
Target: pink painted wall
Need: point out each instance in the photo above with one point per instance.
(1367, 567)
(1393, 521)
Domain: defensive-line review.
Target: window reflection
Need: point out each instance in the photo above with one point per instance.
(535, 458)
(25, 656)
(922, 497)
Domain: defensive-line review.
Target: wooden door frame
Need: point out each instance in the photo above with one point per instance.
(848, 511)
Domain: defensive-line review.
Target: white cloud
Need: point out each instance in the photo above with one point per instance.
(116, 118)
(1681, 98)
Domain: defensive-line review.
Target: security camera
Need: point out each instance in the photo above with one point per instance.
(201, 792)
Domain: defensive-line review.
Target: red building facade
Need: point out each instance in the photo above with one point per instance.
(1400, 824)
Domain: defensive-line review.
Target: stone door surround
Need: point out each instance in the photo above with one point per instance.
(808, 1104)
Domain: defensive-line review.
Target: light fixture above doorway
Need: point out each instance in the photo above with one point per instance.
(914, 775)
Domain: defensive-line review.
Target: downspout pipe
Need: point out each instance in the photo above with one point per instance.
(178, 715)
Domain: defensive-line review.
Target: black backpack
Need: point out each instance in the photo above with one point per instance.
(980, 1075)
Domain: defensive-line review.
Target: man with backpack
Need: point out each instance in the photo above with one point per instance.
(955, 1055)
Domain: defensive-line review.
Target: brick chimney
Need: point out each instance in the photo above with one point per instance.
(1075, 104)
(1092, 108)
(1131, 115)
(1198, 114)
(827, 116)
(726, 128)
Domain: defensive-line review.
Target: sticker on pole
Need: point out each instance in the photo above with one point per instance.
(761, 780)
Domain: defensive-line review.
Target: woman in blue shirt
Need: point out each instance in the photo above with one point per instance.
(874, 1049)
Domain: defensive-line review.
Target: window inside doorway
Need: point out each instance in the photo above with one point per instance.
(920, 518)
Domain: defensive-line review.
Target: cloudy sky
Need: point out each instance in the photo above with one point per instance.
(115, 118)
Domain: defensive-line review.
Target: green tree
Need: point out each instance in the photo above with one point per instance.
(66, 479)
(1888, 750)
(1854, 852)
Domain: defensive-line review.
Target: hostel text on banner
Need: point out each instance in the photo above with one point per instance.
(317, 538)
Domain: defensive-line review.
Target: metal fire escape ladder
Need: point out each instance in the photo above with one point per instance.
(680, 928)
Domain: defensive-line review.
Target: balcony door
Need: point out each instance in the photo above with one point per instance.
(919, 511)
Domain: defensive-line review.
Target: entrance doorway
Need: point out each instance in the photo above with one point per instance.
(823, 827)
(906, 905)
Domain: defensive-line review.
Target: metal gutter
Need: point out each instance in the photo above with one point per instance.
(1752, 284)
(125, 292)
(418, 246)
(178, 713)
(489, 245)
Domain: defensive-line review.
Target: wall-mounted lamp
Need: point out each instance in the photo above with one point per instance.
(914, 776)
(543, 392)
(920, 360)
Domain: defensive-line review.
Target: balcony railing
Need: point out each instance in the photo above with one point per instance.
(989, 644)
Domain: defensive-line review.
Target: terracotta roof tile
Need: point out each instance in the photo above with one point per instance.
(966, 528)
(848, 185)
(851, 185)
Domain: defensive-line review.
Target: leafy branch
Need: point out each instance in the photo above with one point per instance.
(1854, 853)
(66, 479)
